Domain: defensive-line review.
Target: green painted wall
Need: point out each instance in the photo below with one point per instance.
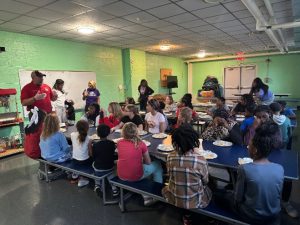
(153, 65)
(283, 71)
(126, 71)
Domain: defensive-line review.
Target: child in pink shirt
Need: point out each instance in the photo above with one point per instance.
(134, 162)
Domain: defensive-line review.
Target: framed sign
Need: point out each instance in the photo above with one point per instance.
(163, 76)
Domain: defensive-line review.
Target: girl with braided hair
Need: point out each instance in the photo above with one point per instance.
(188, 172)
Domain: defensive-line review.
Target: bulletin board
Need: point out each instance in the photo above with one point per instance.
(163, 76)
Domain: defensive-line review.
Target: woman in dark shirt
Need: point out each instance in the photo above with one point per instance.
(144, 91)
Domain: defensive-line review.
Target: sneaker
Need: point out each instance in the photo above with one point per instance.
(290, 210)
(115, 192)
(83, 182)
(148, 201)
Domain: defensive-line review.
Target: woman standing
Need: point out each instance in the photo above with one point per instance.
(91, 95)
(59, 104)
(261, 92)
(144, 91)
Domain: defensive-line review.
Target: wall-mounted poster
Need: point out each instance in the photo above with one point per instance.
(163, 76)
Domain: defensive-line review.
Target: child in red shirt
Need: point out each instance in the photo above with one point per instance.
(134, 161)
(114, 117)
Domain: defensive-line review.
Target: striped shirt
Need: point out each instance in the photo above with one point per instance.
(188, 181)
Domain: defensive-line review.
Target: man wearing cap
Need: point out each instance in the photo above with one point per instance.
(38, 94)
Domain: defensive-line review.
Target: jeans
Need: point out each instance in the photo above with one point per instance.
(109, 177)
(154, 169)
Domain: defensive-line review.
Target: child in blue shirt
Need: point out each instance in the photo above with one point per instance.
(258, 200)
(53, 143)
(248, 122)
(288, 112)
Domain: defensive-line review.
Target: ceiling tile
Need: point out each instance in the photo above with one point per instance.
(58, 27)
(166, 11)
(119, 9)
(94, 3)
(181, 32)
(116, 32)
(135, 28)
(157, 24)
(194, 23)
(67, 7)
(147, 4)
(41, 32)
(193, 4)
(169, 28)
(48, 14)
(37, 2)
(30, 21)
(219, 18)
(132, 36)
(181, 18)
(7, 15)
(203, 28)
(228, 24)
(140, 17)
(242, 14)
(211, 11)
(65, 35)
(95, 16)
(16, 7)
(118, 23)
(235, 6)
(148, 32)
(15, 27)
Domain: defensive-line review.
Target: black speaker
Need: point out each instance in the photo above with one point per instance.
(2, 49)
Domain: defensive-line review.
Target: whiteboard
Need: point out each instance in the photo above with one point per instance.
(75, 83)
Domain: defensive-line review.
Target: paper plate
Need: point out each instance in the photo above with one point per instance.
(142, 132)
(165, 148)
(160, 135)
(222, 143)
(94, 137)
(245, 160)
(240, 119)
(118, 130)
(62, 125)
(147, 143)
(239, 116)
(206, 154)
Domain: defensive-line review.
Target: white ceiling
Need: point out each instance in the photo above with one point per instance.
(189, 25)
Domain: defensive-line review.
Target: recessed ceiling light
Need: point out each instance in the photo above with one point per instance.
(201, 54)
(165, 47)
(86, 30)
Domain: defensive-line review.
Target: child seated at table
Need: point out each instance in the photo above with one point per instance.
(155, 120)
(282, 121)
(240, 108)
(171, 106)
(114, 118)
(288, 112)
(222, 128)
(130, 115)
(188, 172)
(248, 122)
(53, 143)
(92, 113)
(103, 152)
(134, 162)
(81, 143)
(185, 116)
(129, 100)
(259, 184)
(220, 104)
